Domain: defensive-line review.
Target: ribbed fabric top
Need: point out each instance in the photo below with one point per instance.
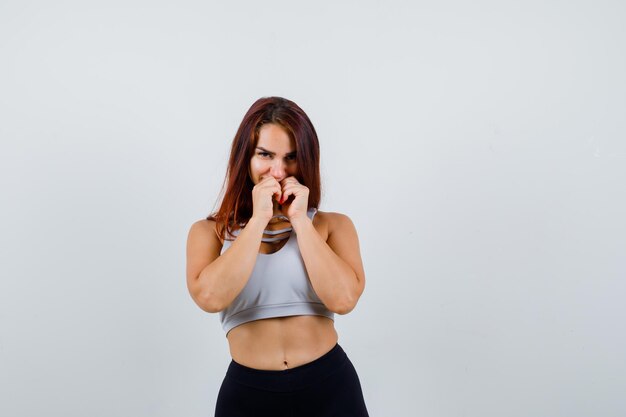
(278, 286)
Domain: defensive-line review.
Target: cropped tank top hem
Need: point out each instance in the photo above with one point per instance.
(279, 310)
(278, 286)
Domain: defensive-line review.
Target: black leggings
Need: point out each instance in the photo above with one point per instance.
(328, 386)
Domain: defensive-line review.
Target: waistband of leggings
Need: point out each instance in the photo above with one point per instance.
(289, 379)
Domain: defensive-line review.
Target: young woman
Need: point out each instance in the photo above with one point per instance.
(277, 270)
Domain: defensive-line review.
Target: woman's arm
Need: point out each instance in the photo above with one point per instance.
(334, 267)
(215, 280)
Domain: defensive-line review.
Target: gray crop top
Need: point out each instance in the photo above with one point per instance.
(278, 286)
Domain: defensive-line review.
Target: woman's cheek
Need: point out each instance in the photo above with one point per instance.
(257, 170)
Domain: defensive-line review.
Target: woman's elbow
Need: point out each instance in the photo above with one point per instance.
(208, 303)
(345, 307)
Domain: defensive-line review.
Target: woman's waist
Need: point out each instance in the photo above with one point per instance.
(281, 343)
(293, 379)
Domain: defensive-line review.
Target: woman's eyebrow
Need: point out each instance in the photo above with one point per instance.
(274, 153)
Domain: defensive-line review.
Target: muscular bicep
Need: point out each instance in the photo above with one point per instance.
(344, 241)
(203, 247)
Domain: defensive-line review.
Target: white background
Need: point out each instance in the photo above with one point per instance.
(479, 148)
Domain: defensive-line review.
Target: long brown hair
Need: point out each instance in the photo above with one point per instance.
(236, 207)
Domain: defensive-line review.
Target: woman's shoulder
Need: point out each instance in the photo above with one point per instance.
(207, 228)
(332, 215)
(332, 220)
(204, 224)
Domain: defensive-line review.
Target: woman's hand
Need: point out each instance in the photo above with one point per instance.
(262, 201)
(297, 207)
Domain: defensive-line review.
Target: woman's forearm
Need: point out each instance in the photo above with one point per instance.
(333, 280)
(224, 278)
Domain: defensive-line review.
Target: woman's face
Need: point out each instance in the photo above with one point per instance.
(275, 154)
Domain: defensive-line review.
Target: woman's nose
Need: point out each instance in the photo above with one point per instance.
(277, 169)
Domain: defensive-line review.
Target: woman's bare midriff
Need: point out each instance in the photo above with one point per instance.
(283, 342)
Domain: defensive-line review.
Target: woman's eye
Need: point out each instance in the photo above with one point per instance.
(265, 154)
